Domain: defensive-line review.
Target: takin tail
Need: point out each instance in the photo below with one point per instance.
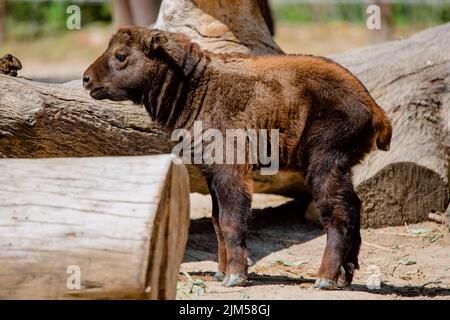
(383, 128)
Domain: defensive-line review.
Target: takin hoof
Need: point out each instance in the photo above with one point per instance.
(218, 276)
(346, 276)
(344, 280)
(234, 280)
(325, 284)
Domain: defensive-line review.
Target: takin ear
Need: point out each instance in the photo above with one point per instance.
(122, 35)
(156, 39)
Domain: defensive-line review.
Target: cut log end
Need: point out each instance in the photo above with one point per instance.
(386, 202)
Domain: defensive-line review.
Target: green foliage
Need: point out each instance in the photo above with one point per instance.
(293, 13)
(348, 12)
(403, 13)
(34, 19)
(420, 13)
(29, 19)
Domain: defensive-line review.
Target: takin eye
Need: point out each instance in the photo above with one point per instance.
(120, 57)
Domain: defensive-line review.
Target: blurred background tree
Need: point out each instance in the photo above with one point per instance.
(2, 20)
(387, 23)
(135, 12)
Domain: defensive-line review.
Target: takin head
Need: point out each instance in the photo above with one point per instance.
(132, 63)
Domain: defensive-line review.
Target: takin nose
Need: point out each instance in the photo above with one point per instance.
(88, 81)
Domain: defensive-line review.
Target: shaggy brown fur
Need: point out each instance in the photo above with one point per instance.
(327, 120)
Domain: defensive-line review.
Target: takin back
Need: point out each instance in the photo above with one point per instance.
(326, 118)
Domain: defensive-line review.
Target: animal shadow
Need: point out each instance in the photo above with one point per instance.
(265, 227)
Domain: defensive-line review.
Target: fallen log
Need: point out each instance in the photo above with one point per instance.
(409, 78)
(101, 228)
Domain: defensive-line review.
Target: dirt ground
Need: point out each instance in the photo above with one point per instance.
(411, 262)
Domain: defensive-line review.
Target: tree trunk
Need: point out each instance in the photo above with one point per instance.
(121, 13)
(144, 12)
(221, 26)
(2, 21)
(409, 78)
(387, 23)
(92, 227)
(134, 12)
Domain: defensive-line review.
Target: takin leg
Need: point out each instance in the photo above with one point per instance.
(331, 182)
(351, 263)
(221, 248)
(231, 185)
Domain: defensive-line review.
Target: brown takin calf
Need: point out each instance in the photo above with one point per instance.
(326, 118)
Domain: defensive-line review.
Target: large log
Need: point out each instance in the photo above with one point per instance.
(409, 78)
(119, 223)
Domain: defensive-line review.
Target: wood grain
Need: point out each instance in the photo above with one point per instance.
(109, 216)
